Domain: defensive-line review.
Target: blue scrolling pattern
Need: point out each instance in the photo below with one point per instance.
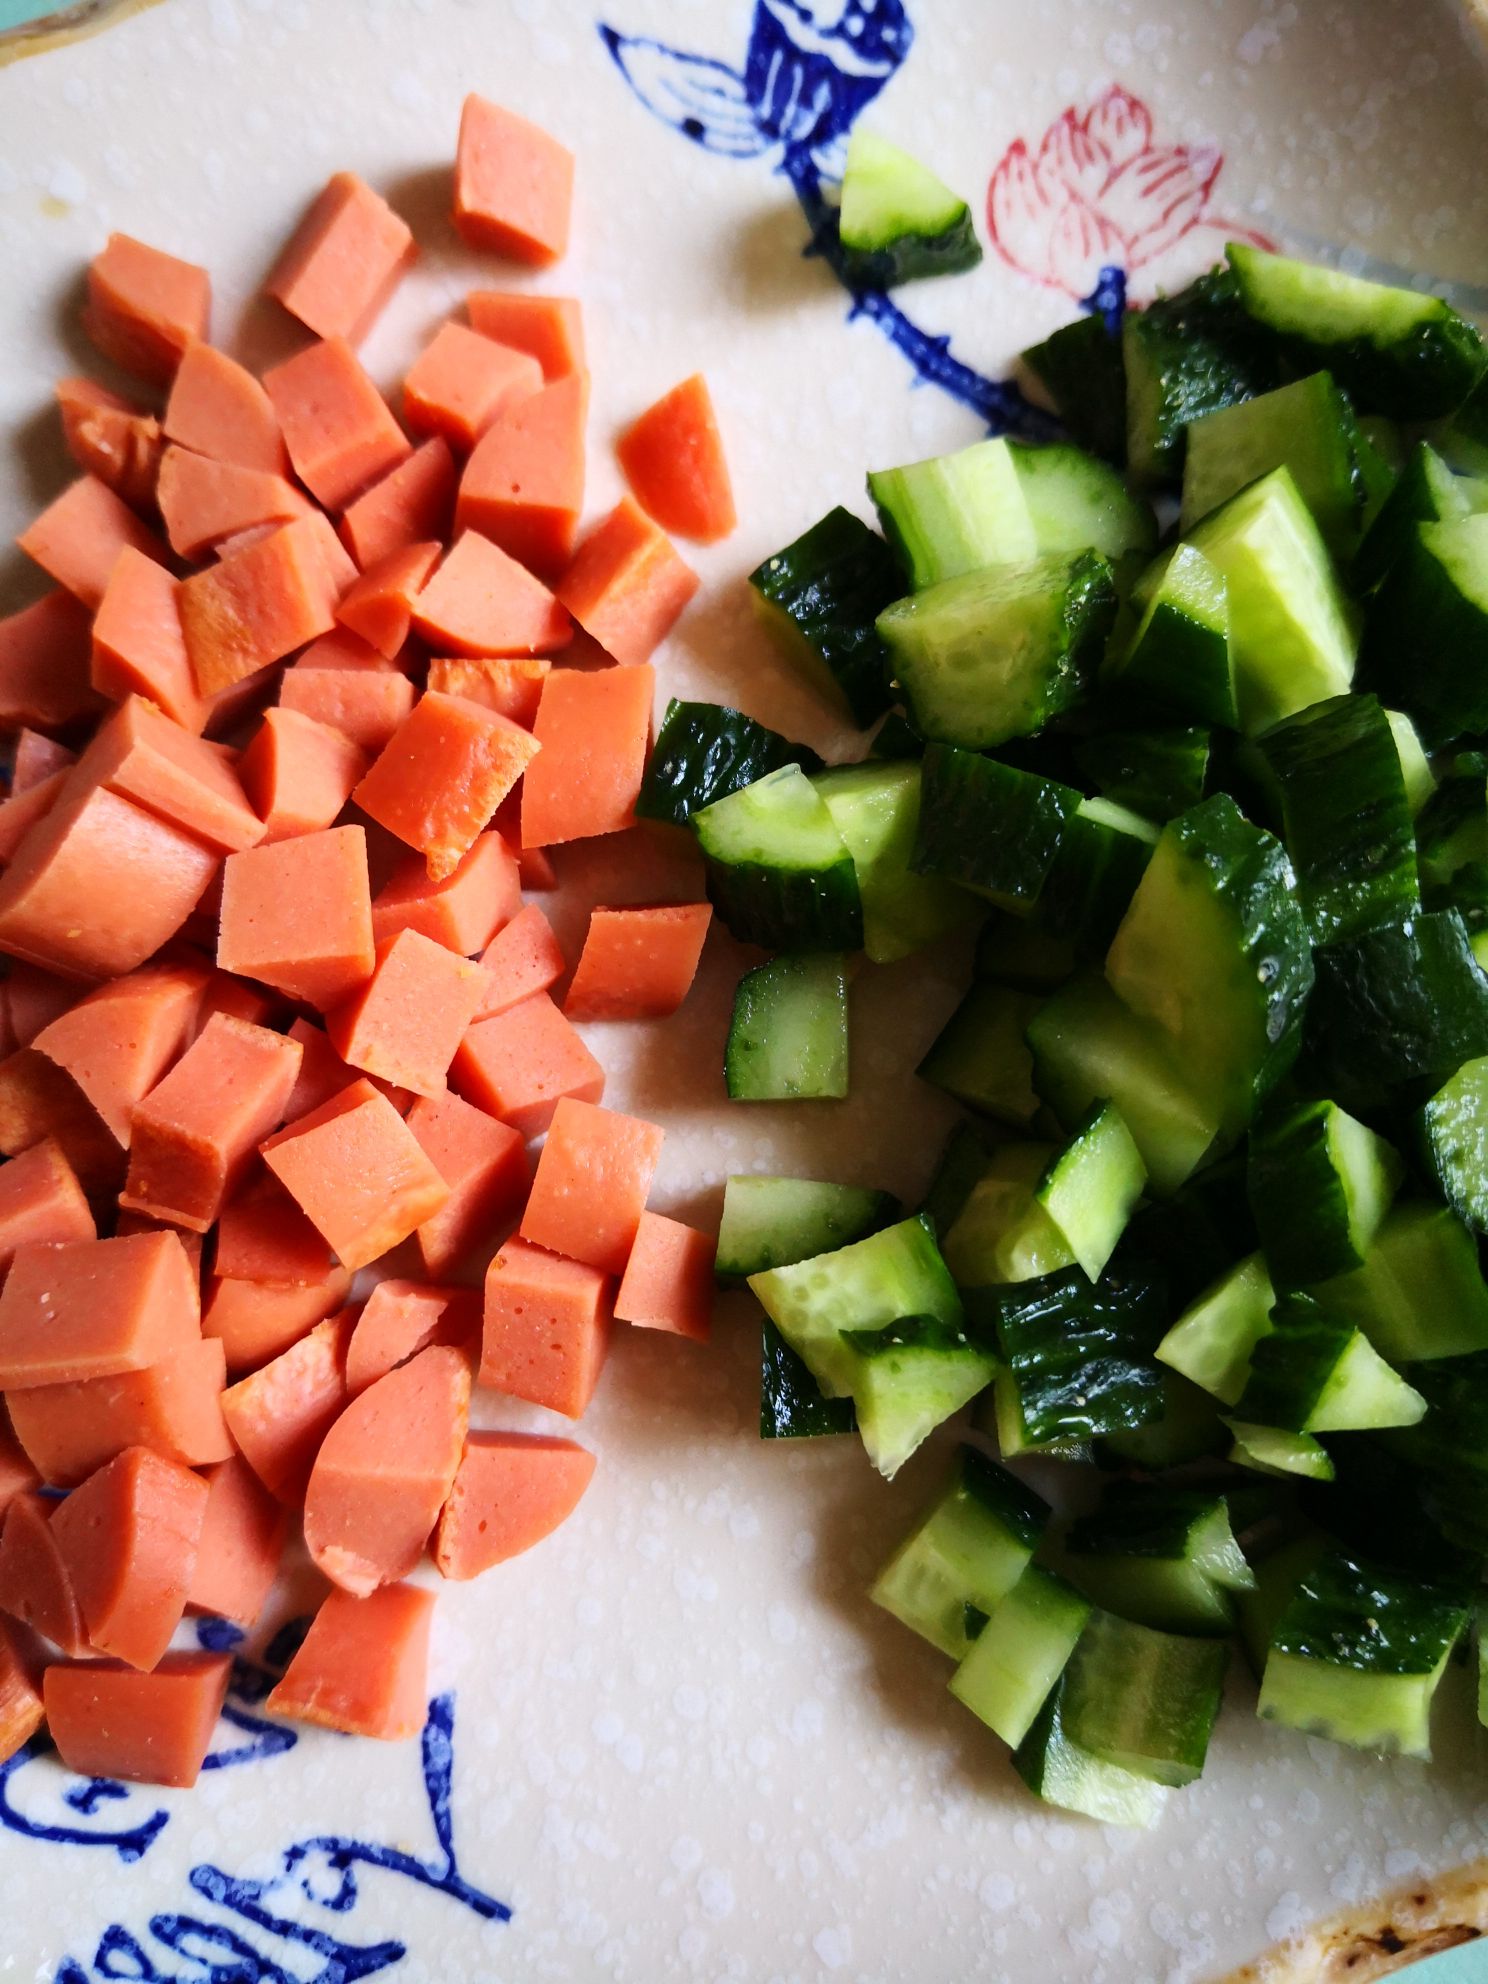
(281, 1929)
(810, 69)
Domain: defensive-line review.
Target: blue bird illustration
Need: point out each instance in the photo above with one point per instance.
(810, 69)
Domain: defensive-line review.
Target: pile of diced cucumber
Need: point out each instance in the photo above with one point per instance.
(1216, 793)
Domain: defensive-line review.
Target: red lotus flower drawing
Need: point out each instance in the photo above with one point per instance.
(1098, 191)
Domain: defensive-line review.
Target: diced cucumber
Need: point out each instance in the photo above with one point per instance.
(1142, 1699)
(787, 1040)
(996, 652)
(1056, 1769)
(1078, 1356)
(1200, 1232)
(1426, 492)
(779, 871)
(1159, 772)
(970, 1549)
(1427, 624)
(955, 513)
(897, 220)
(1080, 368)
(1010, 1668)
(1452, 835)
(821, 597)
(876, 809)
(1003, 1233)
(1181, 656)
(1420, 1294)
(981, 1057)
(774, 1222)
(1306, 426)
(1189, 1429)
(990, 827)
(1346, 819)
(703, 752)
(1077, 503)
(1213, 1340)
(792, 1404)
(1163, 1557)
(1396, 1011)
(962, 1163)
(1453, 1435)
(1397, 351)
(1313, 1373)
(1270, 1450)
(1185, 356)
(1101, 857)
(893, 1275)
(1215, 951)
(1415, 766)
(1320, 1183)
(1088, 1047)
(1092, 1185)
(1455, 1131)
(1292, 634)
(1357, 1654)
(1279, 1570)
(1014, 950)
(912, 1375)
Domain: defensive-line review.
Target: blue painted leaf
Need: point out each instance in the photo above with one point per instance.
(701, 98)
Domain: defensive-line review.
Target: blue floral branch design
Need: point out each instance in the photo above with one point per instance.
(810, 69)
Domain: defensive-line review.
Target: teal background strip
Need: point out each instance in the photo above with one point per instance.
(17, 13)
(1468, 1965)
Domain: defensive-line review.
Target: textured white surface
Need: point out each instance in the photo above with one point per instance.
(687, 1746)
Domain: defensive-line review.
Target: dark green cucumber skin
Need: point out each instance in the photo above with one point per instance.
(1093, 878)
(1203, 1229)
(1194, 678)
(1425, 376)
(1204, 353)
(1454, 1432)
(1452, 840)
(1252, 874)
(1138, 1519)
(1079, 1351)
(1288, 1142)
(1289, 1368)
(704, 752)
(1352, 1613)
(1420, 647)
(1395, 1012)
(792, 1405)
(1081, 368)
(962, 1163)
(1392, 1511)
(832, 583)
(1158, 773)
(1412, 501)
(910, 257)
(789, 909)
(879, 1209)
(1347, 825)
(989, 826)
(1021, 1510)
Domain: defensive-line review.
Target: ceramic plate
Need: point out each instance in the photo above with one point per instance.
(676, 1741)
